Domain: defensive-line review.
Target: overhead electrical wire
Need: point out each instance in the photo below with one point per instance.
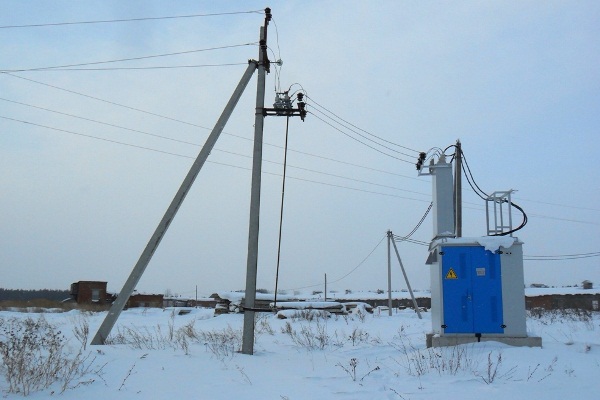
(407, 236)
(354, 126)
(478, 207)
(203, 127)
(197, 125)
(361, 135)
(559, 205)
(214, 149)
(135, 68)
(434, 150)
(350, 272)
(359, 141)
(190, 157)
(107, 21)
(561, 257)
(69, 66)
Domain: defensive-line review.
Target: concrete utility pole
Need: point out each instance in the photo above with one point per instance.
(161, 229)
(252, 260)
(458, 189)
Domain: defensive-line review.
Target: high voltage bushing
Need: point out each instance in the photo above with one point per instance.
(301, 106)
(421, 160)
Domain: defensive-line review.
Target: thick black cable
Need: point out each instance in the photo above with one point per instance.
(287, 125)
(129, 19)
(465, 163)
(523, 223)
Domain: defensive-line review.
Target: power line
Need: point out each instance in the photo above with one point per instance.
(105, 101)
(90, 136)
(238, 167)
(359, 141)
(63, 67)
(594, 254)
(132, 68)
(184, 156)
(406, 237)
(558, 205)
(268, 144)
(129, 19)
(363, 136)
(351, 271)
(368, 133)
(203, 127)
(215, 149)
(561, 257)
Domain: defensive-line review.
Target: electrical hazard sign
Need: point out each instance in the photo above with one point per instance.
(451, 274)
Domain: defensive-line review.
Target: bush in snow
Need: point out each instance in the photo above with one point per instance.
(35, 357)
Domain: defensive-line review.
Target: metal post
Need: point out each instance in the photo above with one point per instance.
(407, 282)
(389, 235)
(458, 189)
(252, 261)
(161, 229)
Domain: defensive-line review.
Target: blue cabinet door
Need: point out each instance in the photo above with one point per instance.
(472, 290)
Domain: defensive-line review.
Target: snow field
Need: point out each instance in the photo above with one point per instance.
(159, 354)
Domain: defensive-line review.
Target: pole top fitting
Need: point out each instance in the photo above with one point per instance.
(268, 14)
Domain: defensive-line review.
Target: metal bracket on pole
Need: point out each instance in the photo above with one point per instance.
(161, 229)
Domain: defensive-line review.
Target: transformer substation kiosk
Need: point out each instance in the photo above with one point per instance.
(477, 283)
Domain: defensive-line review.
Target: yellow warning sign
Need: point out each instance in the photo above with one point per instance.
(451, 274)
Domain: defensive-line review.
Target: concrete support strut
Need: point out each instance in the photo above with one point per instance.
(161, 229)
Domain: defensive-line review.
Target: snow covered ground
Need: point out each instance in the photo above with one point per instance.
(159, 354)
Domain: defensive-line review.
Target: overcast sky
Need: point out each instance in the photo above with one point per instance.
(517, 82)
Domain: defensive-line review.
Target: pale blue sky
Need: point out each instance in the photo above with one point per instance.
(517, 82)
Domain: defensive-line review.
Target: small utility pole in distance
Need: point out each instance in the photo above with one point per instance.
(389, 235)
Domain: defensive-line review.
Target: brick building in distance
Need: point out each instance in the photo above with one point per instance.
(90, 292)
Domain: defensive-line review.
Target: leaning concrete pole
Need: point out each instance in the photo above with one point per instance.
(161, 229)
(412, 295)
